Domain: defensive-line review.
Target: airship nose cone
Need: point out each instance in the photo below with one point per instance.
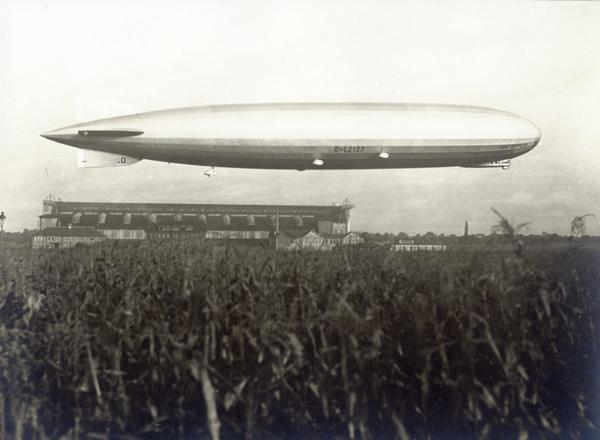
(48, 135)
(61, 135)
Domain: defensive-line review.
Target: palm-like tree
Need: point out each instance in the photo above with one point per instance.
(506, 228)
(578, 225)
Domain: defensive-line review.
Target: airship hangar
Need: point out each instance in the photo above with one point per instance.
(64, 224)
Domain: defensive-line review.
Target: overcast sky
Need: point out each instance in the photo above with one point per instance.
(537, 59)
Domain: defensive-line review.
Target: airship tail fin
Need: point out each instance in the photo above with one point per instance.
(91, 110)
(99, 159)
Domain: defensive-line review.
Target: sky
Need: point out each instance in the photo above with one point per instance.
(537, 59)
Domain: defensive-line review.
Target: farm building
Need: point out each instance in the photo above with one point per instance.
(64, 236)
(199, 222)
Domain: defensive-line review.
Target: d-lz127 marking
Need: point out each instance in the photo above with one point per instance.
(348, 149)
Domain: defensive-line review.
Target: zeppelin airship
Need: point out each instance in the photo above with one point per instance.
(301, 136)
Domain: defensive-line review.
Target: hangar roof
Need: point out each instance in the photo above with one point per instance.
(337, 213)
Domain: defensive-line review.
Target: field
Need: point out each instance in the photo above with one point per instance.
(175, 341)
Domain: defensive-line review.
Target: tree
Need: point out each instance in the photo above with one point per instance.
(403, 236)
(506, 228)
(578, 225)
(429, 237)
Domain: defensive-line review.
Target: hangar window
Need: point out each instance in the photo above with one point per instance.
(298, 220)
(226, 220)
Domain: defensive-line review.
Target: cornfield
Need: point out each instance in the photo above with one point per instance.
(164, 340)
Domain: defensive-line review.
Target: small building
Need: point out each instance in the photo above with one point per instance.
(351, 239)
(331, 241)
(64, 237)
(311, 239)
(298, 239)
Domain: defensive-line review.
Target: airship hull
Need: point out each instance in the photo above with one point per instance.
(311, 136)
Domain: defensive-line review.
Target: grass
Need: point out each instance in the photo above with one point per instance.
(176, 341)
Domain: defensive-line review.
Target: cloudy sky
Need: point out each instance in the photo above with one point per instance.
(537, 59)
